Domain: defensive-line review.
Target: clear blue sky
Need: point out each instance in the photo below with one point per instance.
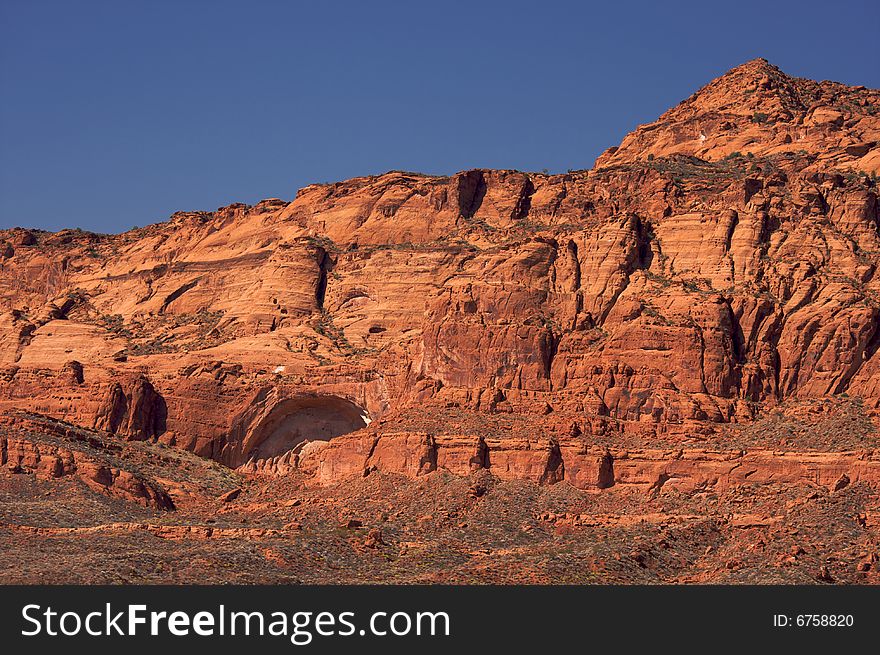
(114, 114)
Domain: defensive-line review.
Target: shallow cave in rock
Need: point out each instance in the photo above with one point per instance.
(295, 421)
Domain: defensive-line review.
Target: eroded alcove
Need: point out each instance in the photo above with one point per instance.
(294, 421)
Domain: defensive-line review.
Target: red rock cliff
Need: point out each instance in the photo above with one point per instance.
(719, 263)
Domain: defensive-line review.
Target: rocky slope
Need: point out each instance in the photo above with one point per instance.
(701, 310)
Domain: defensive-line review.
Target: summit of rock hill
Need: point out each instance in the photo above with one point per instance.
(757, 109)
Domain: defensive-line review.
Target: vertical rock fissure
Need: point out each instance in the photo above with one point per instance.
(605, 476)
(524, 202)
(480, 458)
(324, 266)
(572, 250)
(472, 189)
(554, 469)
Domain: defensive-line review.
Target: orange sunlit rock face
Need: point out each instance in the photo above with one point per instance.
(699, 311)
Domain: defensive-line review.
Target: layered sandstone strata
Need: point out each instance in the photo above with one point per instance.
(717, 264)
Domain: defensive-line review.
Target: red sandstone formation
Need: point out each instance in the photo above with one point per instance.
(20, 452)
(621, 326)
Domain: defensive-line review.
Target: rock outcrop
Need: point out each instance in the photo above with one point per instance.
(595, 468)
(139, 413)
(720, 263)
(758, 110)
(49, 450)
